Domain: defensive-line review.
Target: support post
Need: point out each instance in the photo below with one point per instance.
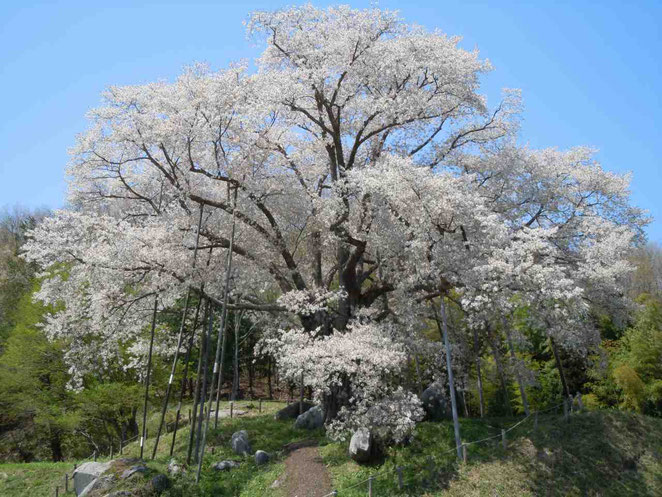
(224, 315)
(465, 456)
(504, 441)
(479, 376)
(260, 408)
(566, 414)
(149, 368)
(57, 491)
(66, 482)
(301, 395)
(451, 382)
(94, 455)
(197, 393)
(231, 408)
(398, 470)
(370, 478)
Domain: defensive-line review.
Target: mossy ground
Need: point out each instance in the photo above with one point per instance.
(601, 453)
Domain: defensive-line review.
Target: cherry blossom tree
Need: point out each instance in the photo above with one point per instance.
(371, 177)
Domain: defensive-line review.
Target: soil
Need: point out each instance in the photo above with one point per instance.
(306, 474)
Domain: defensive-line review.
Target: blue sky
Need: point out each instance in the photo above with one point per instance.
(590, 74)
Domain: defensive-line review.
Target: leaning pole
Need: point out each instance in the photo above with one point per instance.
(143, 436)
(221, 337)
(179, 341)
(451, 382)
(224, 316)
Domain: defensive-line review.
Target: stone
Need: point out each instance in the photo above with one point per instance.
(87, 473)
(120, 493)
(99, 485)
(160, 483)
(127, 473)
(311, 419)
(291, 411)
(240, 443)
(225, 465)
(434, 403)
(261, 457)
(277, 483)
(360, 446)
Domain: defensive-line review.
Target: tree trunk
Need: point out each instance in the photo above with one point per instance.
(559, 366)
(479, 376)
(513, 356)
(500, 370)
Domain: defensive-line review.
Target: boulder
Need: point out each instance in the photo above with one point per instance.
(225, 465)
(261, 457)
(291, 411)
(361, 445)
(434, 403)
(99, 486)
(240, 443)
(160, 483)
(311, 419)
(127, 473)
(86, 473)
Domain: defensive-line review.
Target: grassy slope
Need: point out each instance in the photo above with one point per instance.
(597, 453)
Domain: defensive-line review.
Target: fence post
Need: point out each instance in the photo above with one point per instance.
(95, 456)
(111, 450)
(580, 404)
(260, 406)
(57, 491)
(398, 469)
(231, 408)
(301, 396)
(66, 482)
(503, 439)
(190, 419)
(370, 485)
(75, 466)
(464, 453)
(566, 415)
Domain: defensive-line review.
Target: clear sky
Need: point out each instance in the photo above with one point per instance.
(590, 73)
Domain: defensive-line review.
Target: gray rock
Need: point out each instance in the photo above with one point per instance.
(127, 473)
(87, 473)
(311, 419)
(120, 493)
(240, 443)
(360, 446)
(434, 403)
(261, 457)
(99, 485)
(160, 483)
(225, 465)
(291, 411)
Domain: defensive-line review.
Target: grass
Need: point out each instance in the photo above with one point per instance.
(597, 454)
(601, 453)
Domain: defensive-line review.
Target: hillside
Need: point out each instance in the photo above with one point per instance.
(595, 453)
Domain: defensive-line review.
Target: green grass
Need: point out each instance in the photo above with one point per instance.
(601, 453)
(33, 479)
(597, 453)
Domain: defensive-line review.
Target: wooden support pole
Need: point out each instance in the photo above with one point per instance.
(111, 451)
(66, 482)
(398, 470)
(57, 491)
(370, 478)
(504, 441)
(301, 394)
(197, 395)
(94, 455)
(465, 456)
(260, 408)
(231, 408)
(149, 368)
(224, 314)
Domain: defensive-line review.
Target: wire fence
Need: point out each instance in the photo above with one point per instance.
(397, 472)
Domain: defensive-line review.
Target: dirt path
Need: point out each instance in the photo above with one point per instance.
(306, 475)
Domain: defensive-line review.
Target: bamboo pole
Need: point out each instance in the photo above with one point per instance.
(183, 387)
(224, 316)
(179, 339)
(203, 413)
(451, 382)
(513, 356)
(196, 394)
(149, 367)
